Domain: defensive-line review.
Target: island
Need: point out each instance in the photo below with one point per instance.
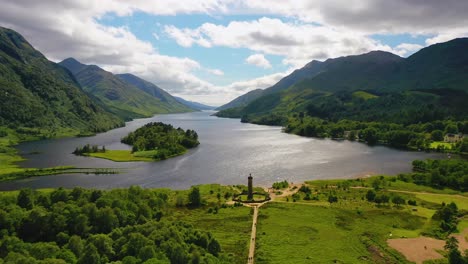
(152, 142)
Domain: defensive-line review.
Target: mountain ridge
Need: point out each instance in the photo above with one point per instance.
(121, 94)
(381, 76)
(37, 93)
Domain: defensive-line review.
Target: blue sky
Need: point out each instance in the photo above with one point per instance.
(212, 51)
(229, 60)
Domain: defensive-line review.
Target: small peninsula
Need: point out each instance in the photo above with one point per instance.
(152, 142)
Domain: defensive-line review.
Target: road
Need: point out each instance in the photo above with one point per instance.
(253, 236)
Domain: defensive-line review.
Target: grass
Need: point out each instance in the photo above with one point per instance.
(128, 156)
(352, 230)
(297, 233)
(364, 95)
(460, 201)
(387, 182)
(120, 156)
(228, 224)
(436, 144)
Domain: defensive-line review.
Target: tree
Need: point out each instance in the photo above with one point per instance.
(76, 245)
(214, 247)
(398, 200)
(194, 197)
(90, 255)
(437, 135)
(106, 220)
(332, 199)
(454, 255)
(26, 198)
(146, 253)
(451, 128)
(370, 196)
(369, 135)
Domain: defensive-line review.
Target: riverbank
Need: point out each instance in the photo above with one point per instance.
(128, 156)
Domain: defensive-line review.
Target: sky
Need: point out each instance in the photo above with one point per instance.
(212, 51)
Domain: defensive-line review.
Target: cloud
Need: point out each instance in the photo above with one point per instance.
(70, 29)
(299, 43)
(308, 29)
(216, 72)
(370, 16)
(258, 60)
(233, 90)
(405, 49)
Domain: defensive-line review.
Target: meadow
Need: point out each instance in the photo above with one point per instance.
(303, 228)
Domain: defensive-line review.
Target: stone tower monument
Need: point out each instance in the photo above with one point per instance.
(250, 186)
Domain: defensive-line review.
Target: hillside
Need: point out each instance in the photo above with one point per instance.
(194, 105)
(242, 100)
(42, 98)
(429, 85)
(120, 95)
(167, 101)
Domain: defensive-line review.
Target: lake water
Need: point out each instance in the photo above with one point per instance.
(228, 152)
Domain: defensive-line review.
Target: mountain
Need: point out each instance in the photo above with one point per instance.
(311, 69)
(170, 103)
(194, 105)
(242, 100)
(40, 96)
(373, 86)
(119, 94)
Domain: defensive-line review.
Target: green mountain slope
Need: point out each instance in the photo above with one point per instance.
(167, 101)
(194, 105)
(242, 100)
(120, 96)
(377, 86)
(42, 97)
(311, 69)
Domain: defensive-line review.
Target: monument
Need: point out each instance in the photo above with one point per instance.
(250, 188)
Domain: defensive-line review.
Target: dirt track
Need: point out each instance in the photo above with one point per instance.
(424, 248)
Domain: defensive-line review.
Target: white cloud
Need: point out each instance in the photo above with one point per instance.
(258, 60)
(233, 90)
(71, 30)
(298, 42)
(319, 29)
(448, 35)
(406, 49)
(216, 72)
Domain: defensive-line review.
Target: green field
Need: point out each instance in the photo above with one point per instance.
(298, 233)
(436, 144)
(461, 201)
(127, 155)
(120, 156)
(364, 95)
(352, 230)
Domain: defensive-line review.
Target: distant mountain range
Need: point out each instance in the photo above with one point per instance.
(436, 76)
(40, 94)
(126, 95)
(194, 105)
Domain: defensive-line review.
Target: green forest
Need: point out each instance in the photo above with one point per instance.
(94, 226)
(162, 138)
(418, 136)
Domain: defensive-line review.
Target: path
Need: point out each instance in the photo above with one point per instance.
(413, 192)
(253, 236)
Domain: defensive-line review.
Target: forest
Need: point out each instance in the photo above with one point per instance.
(164, 138)
(94, 226)
(417, 136)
